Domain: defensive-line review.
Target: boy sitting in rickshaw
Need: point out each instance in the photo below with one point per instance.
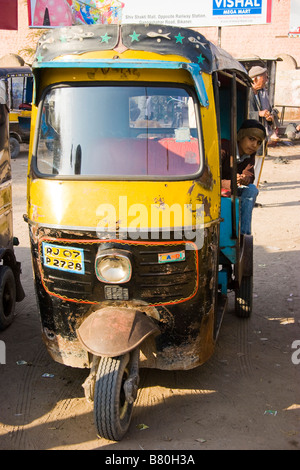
(249, 138)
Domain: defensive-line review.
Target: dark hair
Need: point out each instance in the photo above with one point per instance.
(253, 124)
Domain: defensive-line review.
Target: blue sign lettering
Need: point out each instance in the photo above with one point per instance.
(237, 7)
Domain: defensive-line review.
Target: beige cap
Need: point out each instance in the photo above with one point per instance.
(256, 70)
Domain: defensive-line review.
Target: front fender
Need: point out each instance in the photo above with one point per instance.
(113, 331)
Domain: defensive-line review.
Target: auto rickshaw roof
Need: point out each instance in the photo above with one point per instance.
(161, 39)
(21, 71)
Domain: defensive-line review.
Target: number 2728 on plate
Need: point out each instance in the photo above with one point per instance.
(64, 258)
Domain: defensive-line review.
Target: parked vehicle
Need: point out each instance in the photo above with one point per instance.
(133, 248)
(11, 290)
(19, 83)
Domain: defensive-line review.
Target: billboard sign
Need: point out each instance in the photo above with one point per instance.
(237, 7)
(190, 13)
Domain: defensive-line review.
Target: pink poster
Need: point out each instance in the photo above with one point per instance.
(53, 13)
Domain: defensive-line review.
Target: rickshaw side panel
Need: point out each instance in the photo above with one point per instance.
(11, 288)
(6, 220)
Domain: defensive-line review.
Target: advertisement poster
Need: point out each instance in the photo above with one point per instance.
(190, 13)
(294, 31)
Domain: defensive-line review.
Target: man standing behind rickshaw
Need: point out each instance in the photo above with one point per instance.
(259, 103)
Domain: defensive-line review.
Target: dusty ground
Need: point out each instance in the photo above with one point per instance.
(246, 397)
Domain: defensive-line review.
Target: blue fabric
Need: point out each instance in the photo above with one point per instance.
(248, 195)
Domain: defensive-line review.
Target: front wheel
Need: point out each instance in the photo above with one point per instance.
(244, 297)
(7, 296)
(112, 410)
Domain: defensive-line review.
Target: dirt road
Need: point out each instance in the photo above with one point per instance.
(246, 397)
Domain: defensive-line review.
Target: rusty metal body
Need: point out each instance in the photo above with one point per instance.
(11, 289)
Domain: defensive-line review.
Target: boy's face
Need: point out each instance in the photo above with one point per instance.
(249, 144)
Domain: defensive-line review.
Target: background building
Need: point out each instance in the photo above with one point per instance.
(268, 41)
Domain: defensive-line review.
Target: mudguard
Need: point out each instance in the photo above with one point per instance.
(113, 331)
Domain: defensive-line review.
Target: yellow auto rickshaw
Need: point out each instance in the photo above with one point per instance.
(11, 290)
(19, 83)
(133, 247)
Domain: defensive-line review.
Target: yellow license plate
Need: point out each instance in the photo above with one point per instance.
(64, 258)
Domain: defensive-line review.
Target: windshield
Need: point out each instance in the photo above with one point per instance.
(117, 131)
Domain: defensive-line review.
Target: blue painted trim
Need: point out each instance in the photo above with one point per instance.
(227, 243)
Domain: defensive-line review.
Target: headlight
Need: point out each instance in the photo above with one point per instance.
(113, 266)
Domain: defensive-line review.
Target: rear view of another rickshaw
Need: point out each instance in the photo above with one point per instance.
(133, 250)
(19, 84)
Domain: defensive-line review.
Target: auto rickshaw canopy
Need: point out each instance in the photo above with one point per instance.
(57, 48)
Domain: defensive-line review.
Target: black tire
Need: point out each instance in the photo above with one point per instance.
(244, 298)
(14, 147)
(111, 410)
(7, 296)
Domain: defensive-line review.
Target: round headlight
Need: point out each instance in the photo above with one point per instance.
(113, 267)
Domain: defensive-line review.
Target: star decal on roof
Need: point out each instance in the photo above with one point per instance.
(105, 38)
(134, 36)
(201, 59)
(39, 58)
(179, 38)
